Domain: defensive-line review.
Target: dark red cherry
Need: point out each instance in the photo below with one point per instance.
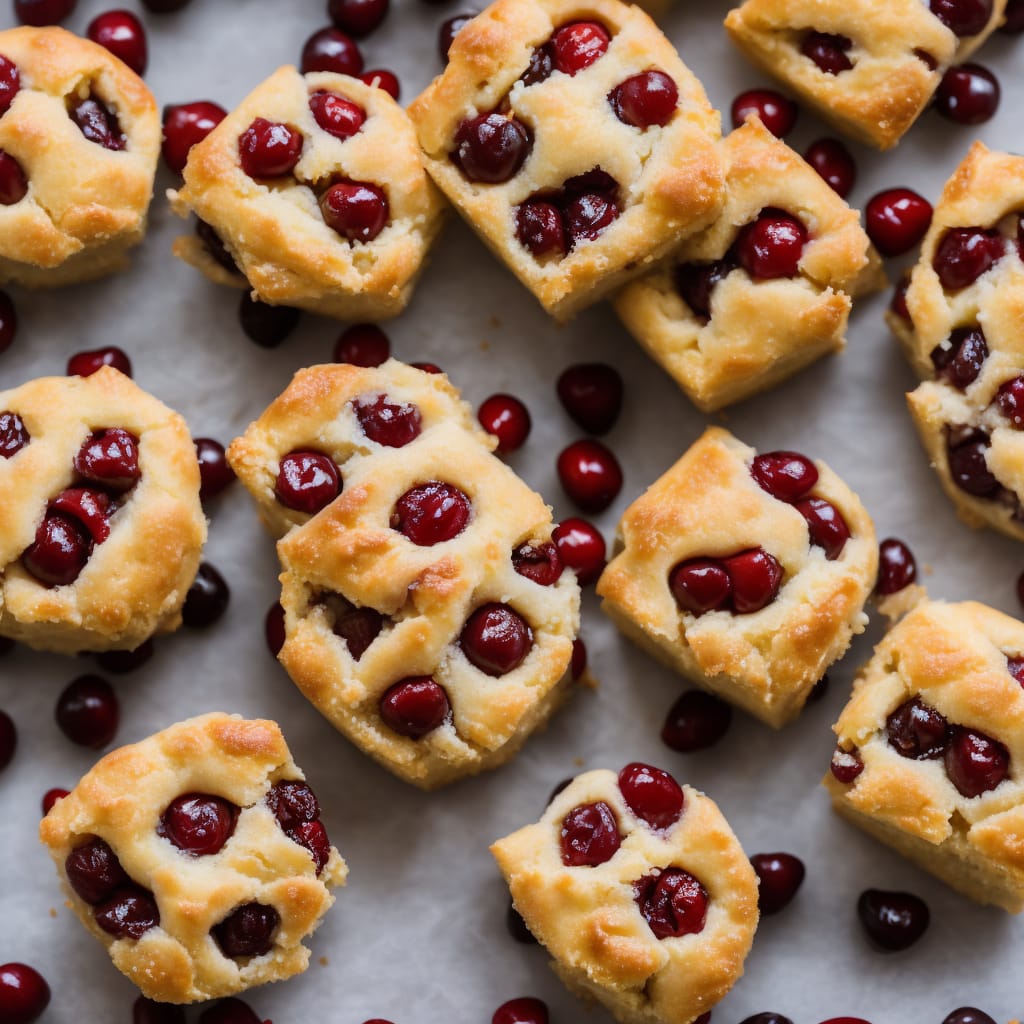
(229, 1011)
(110, 457)
(968, 466)
(431, 513)
(756, 577)
(962, 17)
(51, 796)
(90, 507)
(362, 345)
(896, 220)
(165, 6)
(88, 712)
(525, 1010)
(507, 419)
(10, 83)
(578, 661)
(8, 739)
(265, 325)
(588, 214)
(969, 1014)
(147, 1011)
(696, 283)
(13, 183)
(313, 836)
(449, 30)
(378, 78)
(8, 322)
(98, 123)
(672, 902)
(207, 599)
(700, 585)
(577, 45)
(771, 246)
(917, 730)
(540, 563)
(581, 548)
(24, 994)
(129, 913)
(331, 50)
(962, 361)
(307, 481)
(777, 112)
(186, 124)
(826, 526)
(846, 765)
(247, 931)
(968, 94)
(415, 707)
(591, 394)
(199, 824)
(392, 424)
(6, 645)
(540, 229)
(496, 639)
(892, 920)
(651, 794)
(216, 249)
(121, 662)
(828, 51)
(336, 115)
(357, 210)
(293, 803)
(215, 474)
(590, 835)
(590, 474)
(122, 34)
(85, 364)
(1015, 666)
(94, 872)
(358, 627)
(975, 763)
(964, 254)
(357, 17)
(43, 12)
(788, 476)
(779, 876)
(897, 567)
(647, 99)
(491, 147)
(898, 303)
(59, 552)
(767, 1018)
(1013, 25)
(269, 149)
(1010, 399)
(835, 163)
(273, 628)
(696, 721)
(542, 64)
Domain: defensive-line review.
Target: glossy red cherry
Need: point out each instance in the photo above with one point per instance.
(265, 325)
(331, 50)
(147, 1011)
(788, 476)
(897, 567)
(496, 639)
(696, 283)
(358, 627)
(98, 123)
(835, 163)
(756, 577)
(916, 730)
(540, 228)
(415, 707)
(1015, 666)
(1010, 399)
(229, 1011)
(10, 83)
(826, 526)
(13, 183)
(590, 835)
(968, 465)
(828, 51)
(540, 563)
(14, 434)
(696, 721)
(121, 662)
(88, 712)
(94, 872)
(392, 424)
(588, 214)
(51, 796)
(449, 30)
(247, 931)
(777, 112)
(185, 124)
(645, 100)
(590, 474)
(269, 149)
(591, 394)
(273, 628)
(771, 246)
(525, 1010)
(893, 920)
(960, 363)
(199, 824)
(129, 913)
(507, 419)
(431, 513)
(578, 661)
(91, 508)
(975, 763)
(336, 115)
(581, 548)
(357, 210)
(24, 994)
(577, 45)
(357, 17)
(896, 220)
(968, 94)
(307, 481)
(110, 457)
(8, 322)
(651, 794)
(779, 877)
(122, 34)
(964, 254)
(672, 902)
(767, 1018)
(962, 17)
(59, 552)
(379, 78)
(362, 345)
(215, 474)
(85, 364)
(700, 585)
(969, 1014)
(491, 147)
(846, 765)
(8, 739)
(207, 599)
(43, 12)
(293, 803)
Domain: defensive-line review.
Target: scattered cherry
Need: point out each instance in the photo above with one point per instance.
(780, 875)
(51, 796)
(24, 994)
(540, 563)
(269, 149)
(777, 112)
(120, 662)
(577, 45)
(590, 474)
(828, 51)
(88, 712)
(969, 1014)
(771, 245)
(652, 795)
(331, 50)
(590, 835)
(247, 931)
(672, 902)
(696, 721)
(964, 254)
(415, 707)
(273, 628)
(85, 364)
(199, 824)
(975, 763)
(215, 474)
(379, 78)
(265, 325)
(892, 920)
(8, 739)
(307, 481)
(507, 419)
(897, 567)
(362, 345)
(43, 12)
(148, 1011)
(186, 124)
(517, 927)
(591, 394)
(392, 424)
(896, 220)
(962, 17)
(846, 765)
(581, 548)
(431, 513)
(967, 94)
(165, 6)
(122, 34)
(8, 322)
(357, 17)
(525, 1010)
(496, 639)
(767, 1018)
(356, 210)
(207, 598)
(230, 1011)
(491, 148)
(645, 100)
(835, 163)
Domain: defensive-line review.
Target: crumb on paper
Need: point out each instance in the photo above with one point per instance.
(589, 680)
(485, 346)
(53, 911)
(579, 762)
(928, 570)
(495, 322)
(324, 961)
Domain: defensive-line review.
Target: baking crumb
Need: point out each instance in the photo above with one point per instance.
(323, 961)
(485, 346)
(495, 322)
(928, 570)
(579, 762)
(589, 680)
(53, 911)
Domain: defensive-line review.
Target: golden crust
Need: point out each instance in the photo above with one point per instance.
(588, 918)
(275, 232)
(135, 582)
(759, 332)
(121, 800)
(955, 657)
(887, 88)
(766, 662)
(986, 190)
(670, 178)
(86, 205)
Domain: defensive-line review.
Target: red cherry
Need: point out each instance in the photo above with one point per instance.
(826, 526)
(540, 563)
(380, 79)
(846, 765)
(448, 31)
(362, 345)
(247, 931)
(392, 424)
(896, 220)
(265, 325)
(122, 34)
(491, 147)
(85, 364)
(968, 464)
(700, 585)
(186, 124)
(43, 12)
(756, 577)
(828, 51)
(336, 115)
(590, 474)
(771, 246)
(788, 476)
(199, 824)
(507, 419)
(892, 920)
(896, 567)
(968, 94)
(777, 112)
(673, 902)
(540, 229)
(358, 627)
(8, 739)
(975, 763)
(10, 83)
(964, 254)
(431, 513)
(331, 50)
(577, 45)
(578, 663)
(8, 322)
(51, 796)
(98, 123)
(13, 183)
(1013, 25)
(916, 730)
(590, 835)
(652, 795)
(644, 100)
(521, 1011)
(357, 17)
(780, 875)
(165, 6)
(963, 17)
(1010, 399)
(88, 712)
(415, 707)
(273, 628)
(147, 1011)
(696, 721)
(214, 472)
(835, 163)
(92, 508)
(307, 481)
(581, 548)
(110, 458)
(269, 149)
(94, 872)
(592, 395)
(13, 435)
(496, 639)
(121, 662)
(357, 210)
(230, 1011)
(696, 283)
(24, 994)
(588, 214)
(960, 363)
(59, 552)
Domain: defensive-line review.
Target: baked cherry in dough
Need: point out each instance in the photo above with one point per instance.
(572, 222)
(79, 142)
(762, 292)
(869, 68)
(639, 890)
(428, 615)
(198, 858)
(964, 307)
(754, 606)
(931, 744)
(103, 541)
(312, 193)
